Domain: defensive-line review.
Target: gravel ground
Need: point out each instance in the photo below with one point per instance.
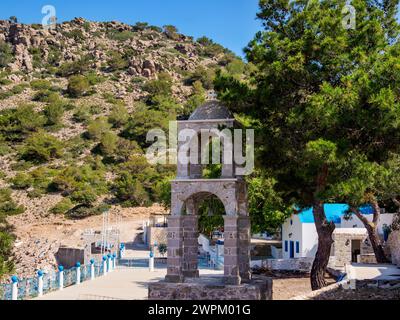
(361, 294)
(287, 285)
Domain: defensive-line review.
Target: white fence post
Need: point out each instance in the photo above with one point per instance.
(78, 273)
(151, 261)
(104, 265)
(61, 277)
(14, 292)
(40, 283)
(92, 273)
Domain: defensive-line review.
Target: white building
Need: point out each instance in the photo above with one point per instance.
(299, 235)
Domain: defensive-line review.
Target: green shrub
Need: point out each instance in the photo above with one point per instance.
(75, 180)
(40, 147)
(171, 32)
(19, 88)
(120, 35)
(196, 99)
(5, 82)
(108, 144)
(77, 145)
(77, 67)
(140, 26)
(125, 149)
(93, 78)
(22, 181)
(15, 123)
(82, 114)
(161, 86)
(54, 113)
(110, 98)
(118, 116)
(97, 128)
(83, 211)
(42, 178)
(75, 34)
(205, 76)
(5, 95)
(13, 91)
(46, 96)
(4, 149)
(6, 54)
(78, 86)
(41, 84)
(62, 207)
(85, 195)
(130, 191)
(162, 248)
(6, 264)
(209, 48)
(142, 121)
(117, 62)
(7, 205)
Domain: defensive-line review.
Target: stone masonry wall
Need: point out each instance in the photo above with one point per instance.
(158, 235)
(394, 244)
(258, 289)
(297, 264)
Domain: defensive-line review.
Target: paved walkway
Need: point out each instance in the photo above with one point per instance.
(375, 271)
(123, 283)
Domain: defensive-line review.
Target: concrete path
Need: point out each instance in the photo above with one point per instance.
(375, 271)
(121, 284)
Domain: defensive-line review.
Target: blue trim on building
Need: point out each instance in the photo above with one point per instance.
(334, 212)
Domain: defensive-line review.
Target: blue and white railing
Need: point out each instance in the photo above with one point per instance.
(44, 283)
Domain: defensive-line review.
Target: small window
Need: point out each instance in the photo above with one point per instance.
(297, 247)
(286, 246)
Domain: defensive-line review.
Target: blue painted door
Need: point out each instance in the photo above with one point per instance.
(291, 249)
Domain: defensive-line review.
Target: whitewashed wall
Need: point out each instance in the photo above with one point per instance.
(354, 222)
(296, 230)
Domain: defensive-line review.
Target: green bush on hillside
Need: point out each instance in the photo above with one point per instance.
(97, 128)
(78, 86)
(6, 54)
(40, 147)
(76, 67)
(54, 113)
(7, 205)
(16, 123)
(130, 191)
(22, 180)
(108, 144)
(118, 116)
(62, 207)
(40, 84)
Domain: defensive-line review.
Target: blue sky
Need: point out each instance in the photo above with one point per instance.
(231, 23)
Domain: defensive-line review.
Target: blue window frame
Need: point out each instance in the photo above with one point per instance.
(297, 247)
(286, 246)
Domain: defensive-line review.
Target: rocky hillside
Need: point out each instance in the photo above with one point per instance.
(76, 103)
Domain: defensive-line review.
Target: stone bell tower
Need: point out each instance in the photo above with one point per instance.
(190, 188)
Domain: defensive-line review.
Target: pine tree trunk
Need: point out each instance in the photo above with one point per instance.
(324, 230)
(373, 232)
(376, 244)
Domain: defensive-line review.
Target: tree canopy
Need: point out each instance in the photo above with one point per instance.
(324, 96)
